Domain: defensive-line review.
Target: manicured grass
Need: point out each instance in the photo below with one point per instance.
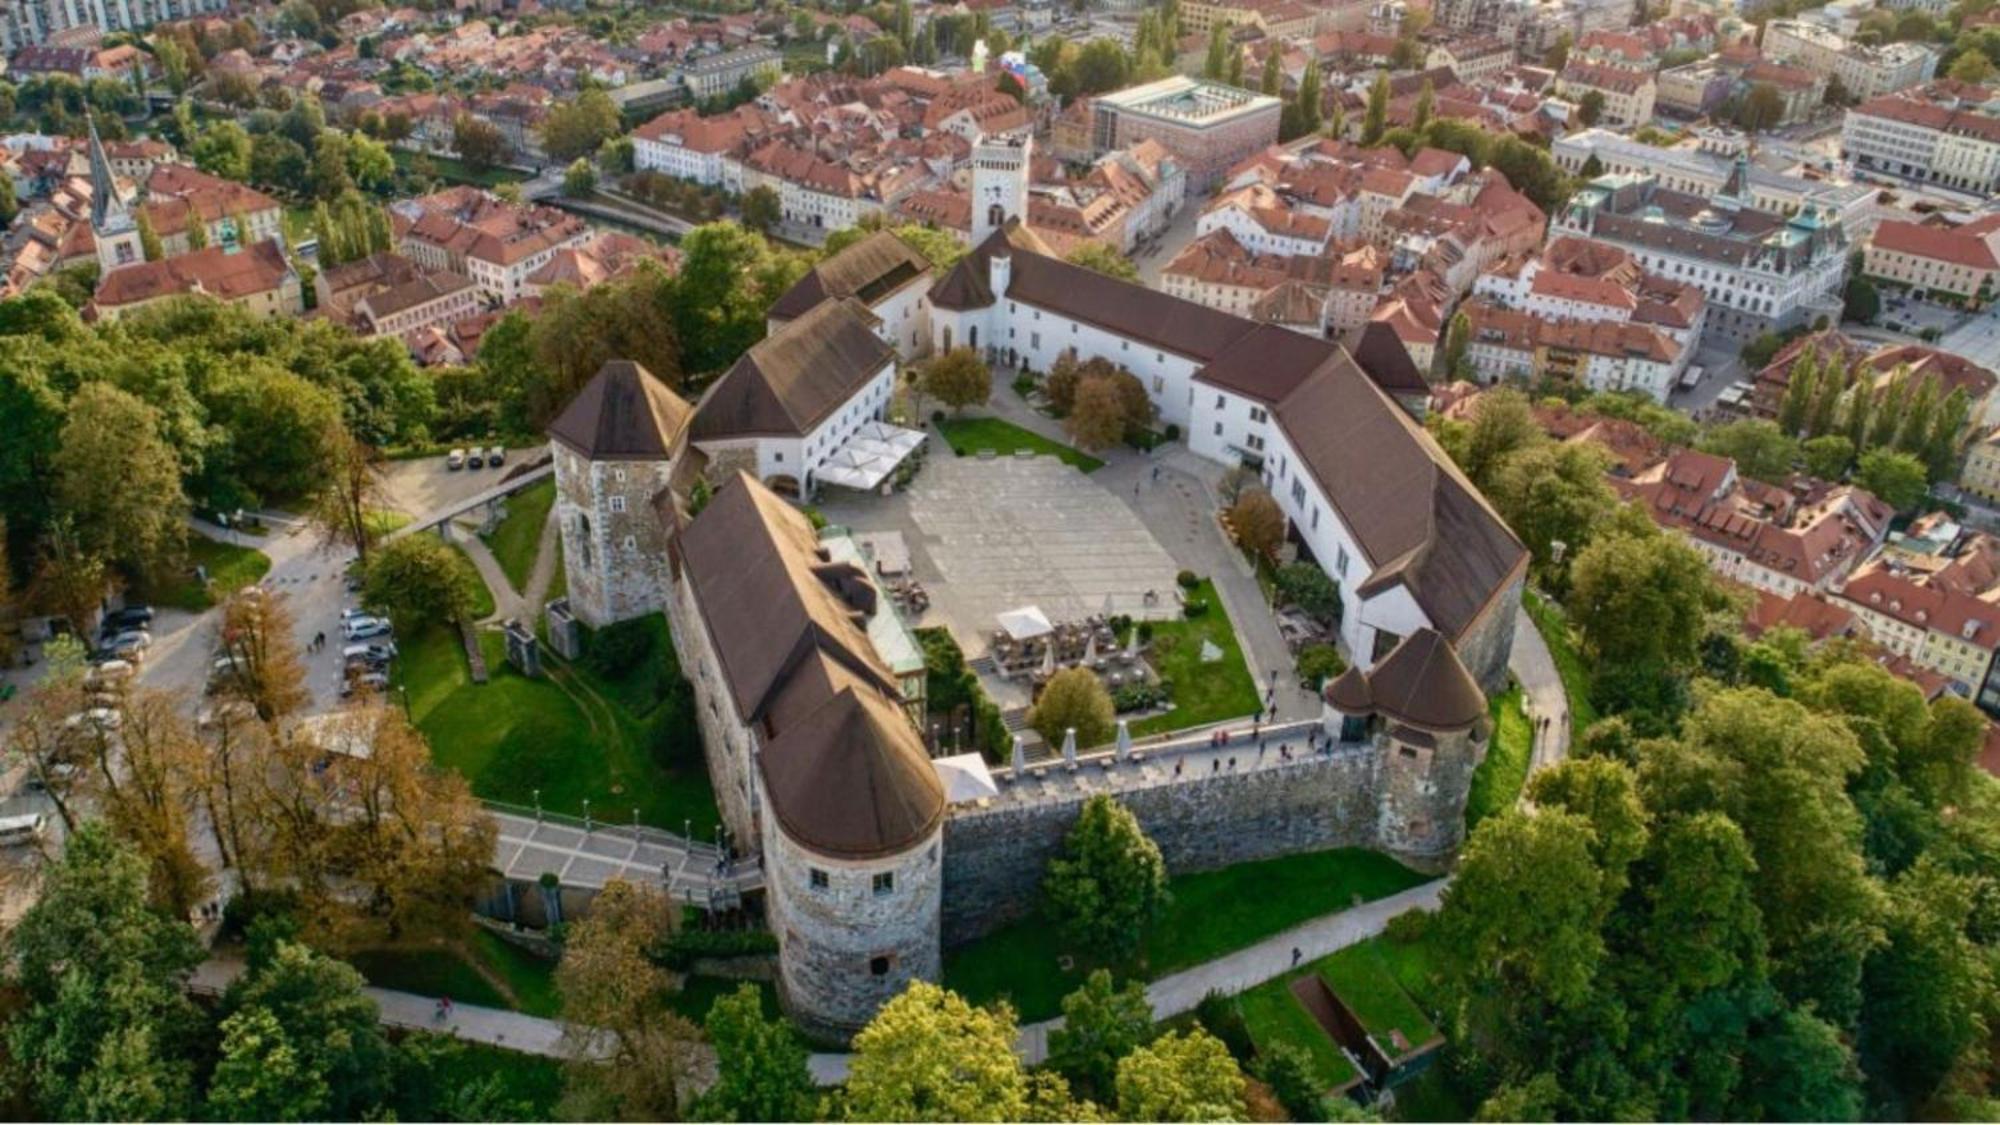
(1361, 976)
(1203, 693)
(515, 540)
(382, 521)
(559, 585)
(532, 978)
(453, 171)
(1209, 914)
(1497, 783)
(1274, 1015)
(969, 436)
(428, 972)
(230, 568)
(571, 735)
(1554, 625)
(482, 598)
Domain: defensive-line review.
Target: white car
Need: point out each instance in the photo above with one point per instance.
(372, 683)
(456, 460)
(111, 673)
(102, 718)
(369, 652)
(362, 628)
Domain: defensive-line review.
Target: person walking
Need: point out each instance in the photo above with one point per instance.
(1297, 956)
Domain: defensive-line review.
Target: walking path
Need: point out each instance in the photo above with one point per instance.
(507, 604)
(1547, 703)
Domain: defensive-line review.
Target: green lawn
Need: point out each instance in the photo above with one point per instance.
(559, 585)
(968, 436)
(230, 568)
(532, 979)
(453, 171)
(1210, 913)
(428, 972)
(515, 540)
(382, 521)
(532, 1083)
(571, 736)
(1203, 693)
(482, 598)
(1380, 981)
(1554, 626)
(1497, 783)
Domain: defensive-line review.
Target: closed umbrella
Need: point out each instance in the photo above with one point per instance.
(1124, 739)
(1069, 746)
(1020, 757)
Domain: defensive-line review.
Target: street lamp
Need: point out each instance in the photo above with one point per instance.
(538, 806)
(586, 814)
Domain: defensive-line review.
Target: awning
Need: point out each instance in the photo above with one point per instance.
(965, 778)
(865, 460)
(1026, 623)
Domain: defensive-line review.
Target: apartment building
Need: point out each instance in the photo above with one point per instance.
(1864, 71)
(1946, 133)
(1938, 260)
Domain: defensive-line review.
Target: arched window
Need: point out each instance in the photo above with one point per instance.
(996, 215)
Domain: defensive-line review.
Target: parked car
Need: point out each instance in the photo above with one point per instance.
(214, 716)
(363, 628)
(373, 651)
(123, 620)
(366, 681)
(496, 456)
(108, 674)
(100, 718)
(455, 460)
(475, 459)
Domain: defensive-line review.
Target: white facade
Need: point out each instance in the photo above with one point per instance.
(1256, 237)
(801, 457)
(668, 155)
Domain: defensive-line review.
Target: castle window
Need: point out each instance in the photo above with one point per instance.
(778, 457)
(617, 503)
(618, 474)
(631, 543)
(816, 878)
(879, 966)
(885, 883)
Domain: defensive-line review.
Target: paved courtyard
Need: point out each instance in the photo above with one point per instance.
(987, 535)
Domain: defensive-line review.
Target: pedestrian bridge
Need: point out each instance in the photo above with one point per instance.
(586, 854)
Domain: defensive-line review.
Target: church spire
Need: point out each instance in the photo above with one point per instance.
(107, 211)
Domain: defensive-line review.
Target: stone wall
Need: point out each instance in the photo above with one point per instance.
(725, 741)
(995, 857)
(1486, 646)
(614, 548)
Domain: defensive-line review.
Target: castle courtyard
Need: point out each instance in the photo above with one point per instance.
(988, 535)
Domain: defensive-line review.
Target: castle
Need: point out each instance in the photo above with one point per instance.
(803, 675)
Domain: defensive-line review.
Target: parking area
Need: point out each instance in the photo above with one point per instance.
(990, 535)
(429, 484)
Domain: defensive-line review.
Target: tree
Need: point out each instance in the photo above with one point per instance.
(1216, 65)
(300, 1043)
(630, 1054)
(1288, 1070)
(1073, 699)
(1306, 586)
(351, 490)
(369, 163)
(197, 233)
(1181, 1076)
(1800, 384)
(761, 1072)
(1762, 108)
(1258, 522)
(1457, 342)
(1309, 99)
(1552, 493)
(145, 785)
(1930, 985)
(1097, 418)
(1110, 881)
(255, 635)
(1502, 424)
(1639, 596)
(149, 242)
(1898, 478)
(1828, 457)
(579, 179)
(479, 143)
(1101, 1025)
(1272, 82)
(1426, 103)
(1761, 450)
(1590, 107)
(761, 209)
(1557, 56)
(1377, 118)
(957, 378)
(328, 172)
(929, 1056)
(1861, 303)
(577, 127)
(1972, 67)
(105, 1030)
(120, 481)
(1105, 259)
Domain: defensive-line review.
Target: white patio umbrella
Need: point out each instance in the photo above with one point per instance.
(1090, 648)
(1069, 746)
(1049, 659)
(1020, 757)
(1026, 623)
(1124, 739)
(965, 778)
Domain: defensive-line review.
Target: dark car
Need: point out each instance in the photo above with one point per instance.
(127, 619)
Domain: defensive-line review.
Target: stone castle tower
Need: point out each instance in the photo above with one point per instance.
(1421, 706)
(999, 183)
(617, 449)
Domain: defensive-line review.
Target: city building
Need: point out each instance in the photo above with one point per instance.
(1207, 126)
(1704, 166)
(1628, 94)
(1947, 133)
(717, 75)
(1932, 260)
(24, 23)
(1761, 271)
(258, 277)
(1939, 628)
(1863, 71)
(386, 294)
(497, 244)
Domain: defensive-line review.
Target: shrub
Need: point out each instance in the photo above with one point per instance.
(1219, 1016)
(1145, 632)
(1409, 926)
(1319, 663)
(1187, 579)
(1195, 607)
(680, 951)
(616, 650)
(1024, 384)
(937, 416)
(1287, 1070)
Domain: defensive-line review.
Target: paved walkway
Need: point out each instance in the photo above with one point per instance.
(1541, 685)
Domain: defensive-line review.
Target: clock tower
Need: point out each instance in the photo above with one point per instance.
(999, 183)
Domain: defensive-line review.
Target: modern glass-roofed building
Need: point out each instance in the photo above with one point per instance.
(1209, 126)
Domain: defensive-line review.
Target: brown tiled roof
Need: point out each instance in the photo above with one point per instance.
(791, 380)
(1942, 244)
(869, 270)
(845, 771)
(258, 268)
(623, 414)
(1423, 683)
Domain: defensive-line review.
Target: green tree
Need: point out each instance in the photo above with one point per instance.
(197, 233)
(1604, 793)
(1102, 1024)
(1309, 99)
(1073, 701)
(1828, 457)
(1519, 923)
(1590, 107)
(1557, 56)
(1972, 67)
(1457, 342)
(1861, 302)
(1552, 493)
(1640, 597)
(1377, 118)
(1216, 65)
(1181, 1076)
(1110, 881)
(761, 209)
(120, 481)
(420, 580)
(1502, 425)
(929, 1056)
(579, 179)
(1930, 986)
(1800, 384)
(1104, 259)
(479, 143)
(957, 378)
(328, 170)
(1898, 478)
(761, 1072)
(1763, 108)
(1426, 104)
(300, 1043)
(1273, 80)
(105, 1030)
(1288, 1070)
(369, 163)
(1760, 449)
(577, 127)
(149, 241)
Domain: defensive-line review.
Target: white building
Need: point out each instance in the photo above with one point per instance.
(1866, 72)
(1946, 134)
